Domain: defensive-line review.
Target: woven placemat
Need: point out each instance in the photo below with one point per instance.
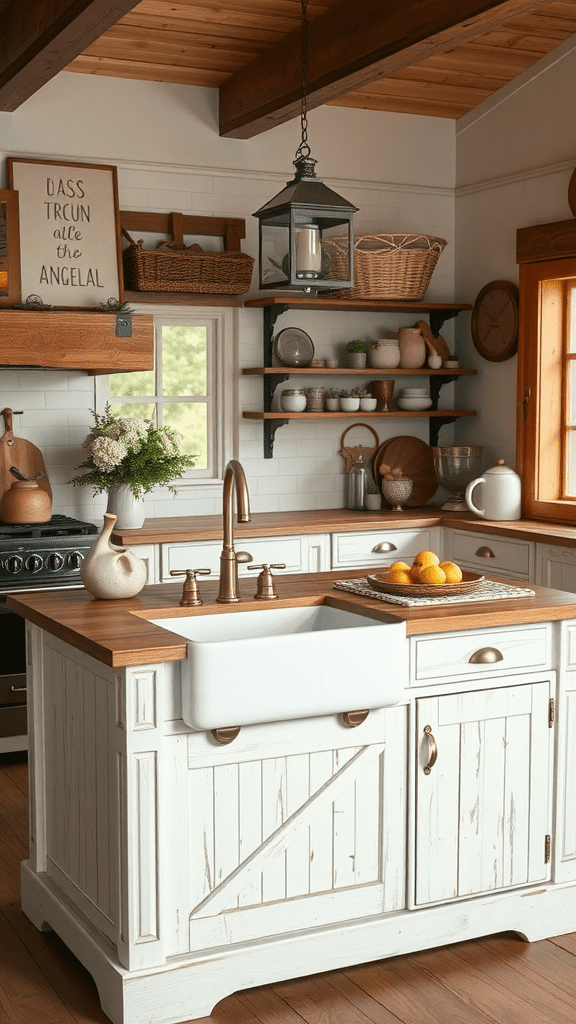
(488, 590)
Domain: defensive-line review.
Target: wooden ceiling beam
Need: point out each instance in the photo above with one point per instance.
(351, 45)
(40, 37)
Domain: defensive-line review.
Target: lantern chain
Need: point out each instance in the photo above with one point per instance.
(304, 149)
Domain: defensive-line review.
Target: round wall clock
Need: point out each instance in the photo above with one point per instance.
(494, 322)
(572, 193)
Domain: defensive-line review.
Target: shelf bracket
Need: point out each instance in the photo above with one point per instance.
(270, 428)
(438, 318)
(434, 428)
(271, 314)
(436, 384)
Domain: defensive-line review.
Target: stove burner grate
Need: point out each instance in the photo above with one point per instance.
(57, 526)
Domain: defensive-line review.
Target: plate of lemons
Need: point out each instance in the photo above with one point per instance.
(426, 577)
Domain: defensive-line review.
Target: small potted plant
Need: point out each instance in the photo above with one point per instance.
(373, 498)
(367, 400)
(332, 400)
(357, 350)
(451, 363)
(349, 402)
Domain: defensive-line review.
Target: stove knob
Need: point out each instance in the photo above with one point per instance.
(34, 563)
(55, 561)
(74, 559)
(14, 564)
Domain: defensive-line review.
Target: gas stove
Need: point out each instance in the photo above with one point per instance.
(39, 556)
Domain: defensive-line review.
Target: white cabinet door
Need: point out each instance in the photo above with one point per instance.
(565, 845)
(295, 825)
(483, 807)
(556, 567)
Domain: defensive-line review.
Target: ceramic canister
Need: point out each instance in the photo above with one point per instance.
(384, 353)
(412, 348)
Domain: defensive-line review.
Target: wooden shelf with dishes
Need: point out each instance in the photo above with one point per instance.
(273, 306)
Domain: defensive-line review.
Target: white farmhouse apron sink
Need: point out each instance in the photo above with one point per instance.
(273, 664)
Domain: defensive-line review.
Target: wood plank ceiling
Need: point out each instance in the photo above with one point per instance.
(430, 57)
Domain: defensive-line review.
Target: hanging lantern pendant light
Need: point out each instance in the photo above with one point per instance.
(295, 226)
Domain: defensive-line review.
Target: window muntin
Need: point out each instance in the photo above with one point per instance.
(190, 388)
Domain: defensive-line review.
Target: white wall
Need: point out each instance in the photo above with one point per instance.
(515, 154)
(398, 170)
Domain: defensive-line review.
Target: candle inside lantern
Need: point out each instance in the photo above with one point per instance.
(308, 251)
(3, 282)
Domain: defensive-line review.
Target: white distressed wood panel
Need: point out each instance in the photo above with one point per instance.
(199, 797)
(273, 817)
(298, 801)
(298, 851)
(146, 821)
(481, 808)
(568, 765)
(321, 770)
(226, 815)
(437, 807)
(556, 567)
(250, 827)
(176, 847)
(394, 810)
(343, 836)
(81, 793)
(484, 826)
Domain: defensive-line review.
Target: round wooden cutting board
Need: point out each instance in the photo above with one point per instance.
(416, 460)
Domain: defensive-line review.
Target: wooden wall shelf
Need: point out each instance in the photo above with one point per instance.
(75, 340)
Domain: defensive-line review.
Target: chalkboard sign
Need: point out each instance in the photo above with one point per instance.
(70, 235)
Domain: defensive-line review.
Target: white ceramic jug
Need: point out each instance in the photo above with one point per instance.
(501, 493)
(111, 572)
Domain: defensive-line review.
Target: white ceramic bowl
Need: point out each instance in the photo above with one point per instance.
(414, 404)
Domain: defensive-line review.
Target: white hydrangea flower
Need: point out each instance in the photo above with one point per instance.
(106, 452)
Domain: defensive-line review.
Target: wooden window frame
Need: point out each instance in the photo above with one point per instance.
(547, 257)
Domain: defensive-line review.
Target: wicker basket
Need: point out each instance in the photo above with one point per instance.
(186, 270)
(395, 266)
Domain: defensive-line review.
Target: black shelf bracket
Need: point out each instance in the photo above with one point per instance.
(271, 314)
(438, 318)
(436, 384)
(436, 423)
(270, 428)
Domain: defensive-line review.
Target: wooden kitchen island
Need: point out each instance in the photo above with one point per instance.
(179, 869)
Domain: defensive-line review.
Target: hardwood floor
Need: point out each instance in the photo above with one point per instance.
(497, 980)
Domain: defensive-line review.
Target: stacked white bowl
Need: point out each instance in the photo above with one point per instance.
(413, 399)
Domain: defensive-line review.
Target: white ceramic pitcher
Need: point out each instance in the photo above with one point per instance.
(501, 493)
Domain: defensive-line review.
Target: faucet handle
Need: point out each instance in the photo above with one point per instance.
(190, 595)
(265, 589)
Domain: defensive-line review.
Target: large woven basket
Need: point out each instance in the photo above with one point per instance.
(176, 270)
(397, 266)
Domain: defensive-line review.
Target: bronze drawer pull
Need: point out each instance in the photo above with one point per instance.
(485, 552)
(432, 750)
(353, 718)
(485, 656)
(383, 547)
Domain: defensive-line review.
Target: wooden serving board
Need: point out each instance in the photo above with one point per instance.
(15, 451)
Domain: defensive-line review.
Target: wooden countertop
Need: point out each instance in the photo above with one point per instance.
(280, 524)
(117, 633)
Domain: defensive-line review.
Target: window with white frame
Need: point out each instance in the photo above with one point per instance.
(190, 388)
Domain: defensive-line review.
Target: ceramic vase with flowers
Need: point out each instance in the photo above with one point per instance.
(127, 458)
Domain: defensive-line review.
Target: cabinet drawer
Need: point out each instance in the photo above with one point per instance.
(293, 551)
(480, 653)
(380, 547)
(496, 555)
